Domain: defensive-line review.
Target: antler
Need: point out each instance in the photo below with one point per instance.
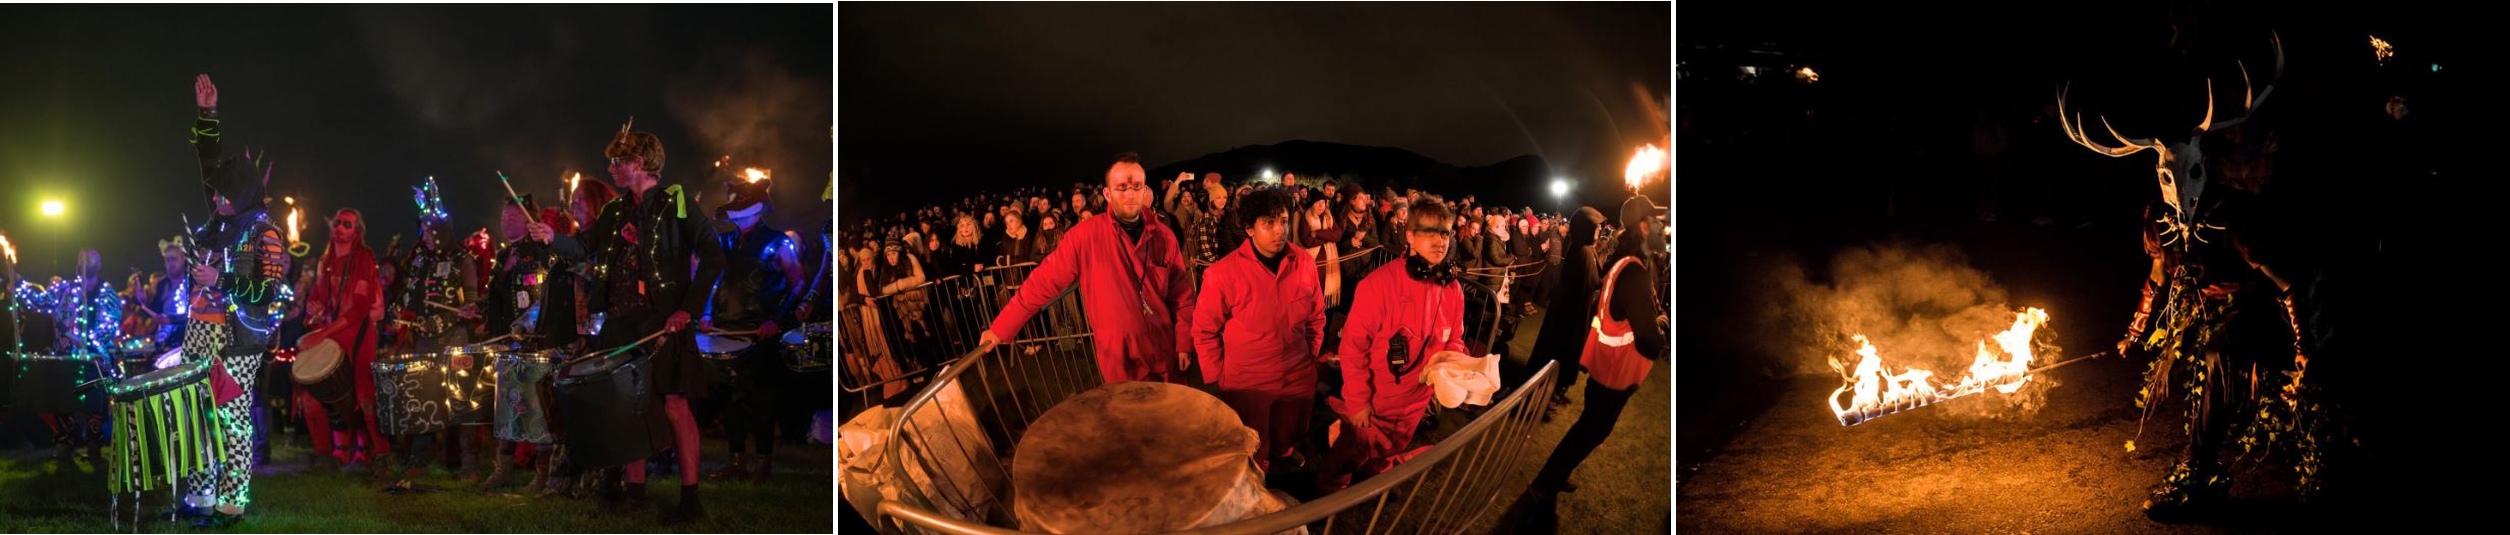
(2254, 97)
(2075, 133)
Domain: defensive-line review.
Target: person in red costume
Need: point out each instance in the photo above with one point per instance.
(346, 295)
(1259, 324)
(1135, 286)
(1403, 316)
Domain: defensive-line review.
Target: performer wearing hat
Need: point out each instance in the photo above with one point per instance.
(757, 295)
(644, 244)
(239, 264)
(431, 310)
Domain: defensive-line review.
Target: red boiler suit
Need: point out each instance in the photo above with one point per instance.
(1257, 334)
(1136, 294)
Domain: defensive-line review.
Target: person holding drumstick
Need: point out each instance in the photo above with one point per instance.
(644, 244)
(757, 296)
(87, 314)
(517, 297)
(239, 264)
(430, 311)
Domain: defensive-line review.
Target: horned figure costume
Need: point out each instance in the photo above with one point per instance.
(2199, 319)
(234, 319)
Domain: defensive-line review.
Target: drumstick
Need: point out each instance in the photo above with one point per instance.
(500, 338)
(444, 306)
(623, 349)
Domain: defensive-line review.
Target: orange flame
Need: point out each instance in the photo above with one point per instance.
(10, 249)
(754, 174)
(1646, 164)
(1877, 392)
(292, 227)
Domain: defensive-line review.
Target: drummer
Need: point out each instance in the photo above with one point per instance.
(346, 296)
(516, 298)
(87, 315)
(164, 303)
(645, 242)
(238, 262)
(431, 310)
(756, 297)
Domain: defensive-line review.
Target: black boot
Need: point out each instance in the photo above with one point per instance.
(690, 509)
(2192, 487)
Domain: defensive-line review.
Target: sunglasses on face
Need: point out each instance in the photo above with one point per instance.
(345, 223)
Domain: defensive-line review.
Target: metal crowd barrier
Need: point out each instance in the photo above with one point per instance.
(945, 463)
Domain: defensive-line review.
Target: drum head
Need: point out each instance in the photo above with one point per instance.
(1131, 457)
(317, 363)
(160, 381)
(795, 338)
(720, 346)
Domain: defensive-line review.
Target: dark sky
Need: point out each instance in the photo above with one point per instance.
(985, 96)
(357, 103)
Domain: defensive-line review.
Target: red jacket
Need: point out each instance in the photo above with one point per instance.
(1389, 302)
(1257, 330)
(1134, 293)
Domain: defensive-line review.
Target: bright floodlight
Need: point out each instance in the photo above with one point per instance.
(52, 208)
(1559, 187)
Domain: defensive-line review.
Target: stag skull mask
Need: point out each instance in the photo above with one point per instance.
(2180, 170)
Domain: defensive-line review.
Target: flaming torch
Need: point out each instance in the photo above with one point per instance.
(1647, 163)
(1876, 392)
(5, 247)
(754, 174)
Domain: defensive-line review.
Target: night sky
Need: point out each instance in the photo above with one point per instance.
(987, 97)
(357, 103)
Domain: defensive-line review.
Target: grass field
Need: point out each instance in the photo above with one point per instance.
(40, 496)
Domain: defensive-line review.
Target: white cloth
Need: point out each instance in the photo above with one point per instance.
(1460, 380)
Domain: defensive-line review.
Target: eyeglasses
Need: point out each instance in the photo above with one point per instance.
(617, 161)
(345, 223)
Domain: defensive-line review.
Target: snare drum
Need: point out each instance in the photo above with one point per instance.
(611, 412)
(471, 388)
(722, 354)
(412, 392)
(807, 349)
(1137, 457)
(162, 427)
(523, 404)
(49, 383)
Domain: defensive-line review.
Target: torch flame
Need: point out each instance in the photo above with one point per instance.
(1877, 392)
(754, 174)
(10, 249)
(1647, 163)
(292, 227)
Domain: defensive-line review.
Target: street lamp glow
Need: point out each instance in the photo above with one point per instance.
(1267, 173)
(52, 208)
(1559, 187)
